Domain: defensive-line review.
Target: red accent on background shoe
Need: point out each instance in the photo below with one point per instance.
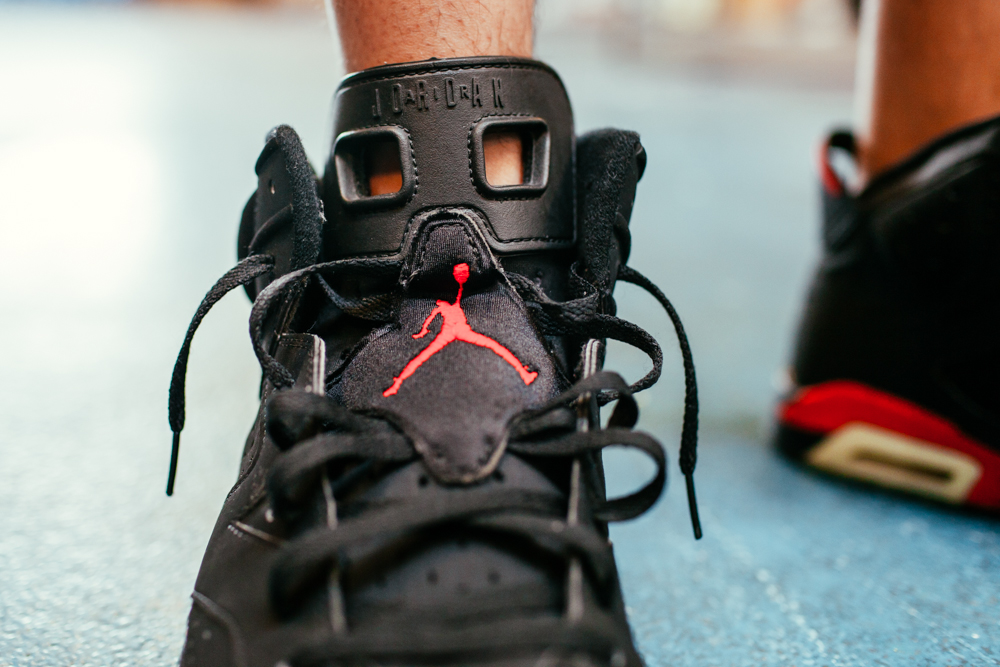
(831, 181)
(825, 407)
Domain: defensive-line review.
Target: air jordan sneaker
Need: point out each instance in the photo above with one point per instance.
(895, 374)
(423, 484)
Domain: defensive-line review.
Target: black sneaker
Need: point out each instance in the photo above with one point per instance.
(895, 373)
(423, 485)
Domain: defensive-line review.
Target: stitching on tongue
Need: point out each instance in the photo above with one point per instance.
(454, 327)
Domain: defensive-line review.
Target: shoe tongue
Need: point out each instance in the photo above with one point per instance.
(461, 357)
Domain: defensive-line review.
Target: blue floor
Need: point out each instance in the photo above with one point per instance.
(800, 570)
(127, 143)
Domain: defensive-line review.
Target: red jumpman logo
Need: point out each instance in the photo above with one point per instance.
(454, 327)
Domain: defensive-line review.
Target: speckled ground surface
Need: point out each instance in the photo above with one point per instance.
(127, 141)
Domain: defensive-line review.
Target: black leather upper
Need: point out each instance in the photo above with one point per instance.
(345, 324)
(438, 111)
(907, 297)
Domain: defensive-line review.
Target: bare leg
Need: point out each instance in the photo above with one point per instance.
(378, 32)
(924, 67)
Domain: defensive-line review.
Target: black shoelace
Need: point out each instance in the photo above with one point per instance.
(537, 520)
(575, 317)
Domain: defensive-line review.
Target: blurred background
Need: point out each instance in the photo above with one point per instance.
(128, 135)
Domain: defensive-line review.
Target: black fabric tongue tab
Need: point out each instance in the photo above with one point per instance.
(434, 116)
(461, 358)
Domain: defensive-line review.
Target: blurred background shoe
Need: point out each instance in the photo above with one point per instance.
(896, 368)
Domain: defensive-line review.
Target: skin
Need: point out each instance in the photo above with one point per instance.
(379, 32)
(925, 67)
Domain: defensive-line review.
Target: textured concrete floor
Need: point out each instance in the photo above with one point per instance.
(127, 141)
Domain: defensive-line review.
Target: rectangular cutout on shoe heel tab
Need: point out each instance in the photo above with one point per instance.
(896, 461)
(507, 157)
(382, 168)
(493, 138)
(374, 167)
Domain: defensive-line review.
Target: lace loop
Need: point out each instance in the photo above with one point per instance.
(625, 413)
(294, 415)
(273, 294)
(375, 307)
(579, 317)
(295, 470)
(689, 429)
(241, 274)
(617, 509)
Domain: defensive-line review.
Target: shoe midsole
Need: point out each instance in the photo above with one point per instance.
(855, 430)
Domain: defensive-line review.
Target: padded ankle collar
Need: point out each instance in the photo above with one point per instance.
(284, 218)
(437, 111)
